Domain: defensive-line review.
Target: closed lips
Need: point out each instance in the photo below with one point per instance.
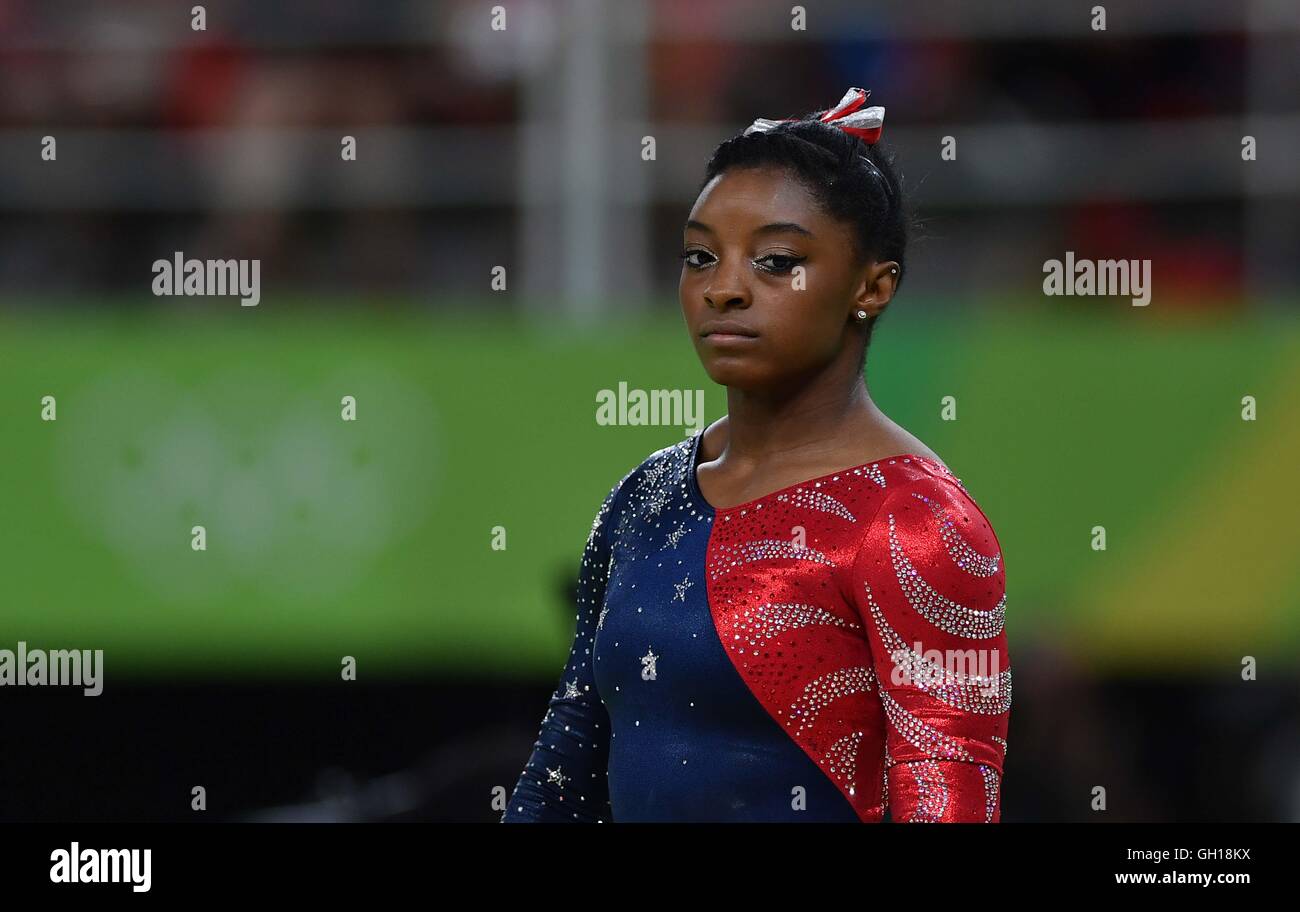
(727, 329)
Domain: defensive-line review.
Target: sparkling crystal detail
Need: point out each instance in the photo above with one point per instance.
(962, 552)
(991, 783)
(680, 594)
(943, 612)
(675, 536)
(842, 758)
(920, 735)
(932, 791)
(732, 557)
(771, 620)
(984, 694)
(817, 500)
(821, 692)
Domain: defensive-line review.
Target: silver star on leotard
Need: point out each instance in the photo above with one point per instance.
(675, 536)
(554, 775)
(657, 502)
(681, 589)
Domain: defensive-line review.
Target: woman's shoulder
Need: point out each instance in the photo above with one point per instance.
(665, 467)
(925, 497)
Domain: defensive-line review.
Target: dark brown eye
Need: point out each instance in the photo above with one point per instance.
(781, 263)
(685, 257)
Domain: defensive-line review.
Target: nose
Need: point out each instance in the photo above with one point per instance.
(726, 288)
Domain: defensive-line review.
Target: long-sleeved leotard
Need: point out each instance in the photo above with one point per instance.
(828, 652)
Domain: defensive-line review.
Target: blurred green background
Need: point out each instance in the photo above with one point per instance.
(372, 538)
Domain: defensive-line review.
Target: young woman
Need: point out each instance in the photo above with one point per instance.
(797, 613)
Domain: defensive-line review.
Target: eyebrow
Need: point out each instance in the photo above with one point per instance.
(770, 228)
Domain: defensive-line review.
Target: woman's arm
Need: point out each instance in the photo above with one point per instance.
(565, 779)
(930, 587)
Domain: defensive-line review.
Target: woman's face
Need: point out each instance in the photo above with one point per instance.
(755, 321)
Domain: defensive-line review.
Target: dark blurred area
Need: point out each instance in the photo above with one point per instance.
(436, 749)
(228, 139)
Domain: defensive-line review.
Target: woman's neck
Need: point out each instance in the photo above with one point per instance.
(805, 428)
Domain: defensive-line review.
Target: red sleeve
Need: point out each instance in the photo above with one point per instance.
(929, 584)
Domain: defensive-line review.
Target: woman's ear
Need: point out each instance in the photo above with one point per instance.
(877, 289)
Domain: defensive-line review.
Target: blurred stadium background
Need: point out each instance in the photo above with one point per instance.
(522, 149)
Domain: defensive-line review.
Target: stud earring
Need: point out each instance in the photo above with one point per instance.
(861, 315)
(893, 270)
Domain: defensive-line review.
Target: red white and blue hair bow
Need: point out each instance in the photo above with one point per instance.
(848, 115)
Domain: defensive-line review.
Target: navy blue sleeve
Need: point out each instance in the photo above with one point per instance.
(566, 778)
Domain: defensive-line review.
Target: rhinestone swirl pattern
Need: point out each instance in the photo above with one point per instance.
(921, 735)
(961, 551)
(731, 557)
(943, 612)
(817, 500)
(822, 692)
(988, 694)
(842, 759)
(932, 790)
(991, 783)
(769, 621)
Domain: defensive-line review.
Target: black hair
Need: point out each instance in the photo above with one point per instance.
(852, 181)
